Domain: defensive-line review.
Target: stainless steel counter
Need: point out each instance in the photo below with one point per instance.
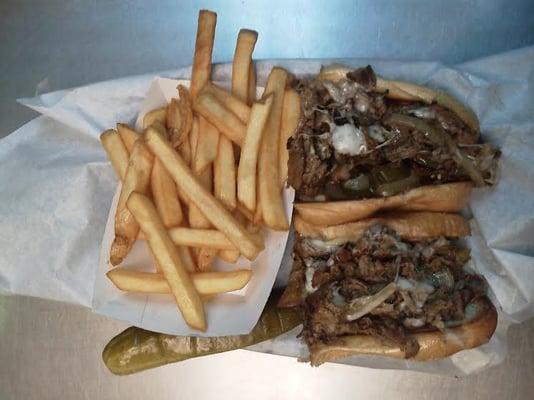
(51, 350)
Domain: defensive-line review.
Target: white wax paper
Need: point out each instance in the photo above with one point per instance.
(56, 187)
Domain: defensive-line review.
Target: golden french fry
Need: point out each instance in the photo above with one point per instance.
(246, 40)
(192, 237)
(205, 282)
(187, 258)
(194, 137)
(229, 256)
(248, 161)
(137, 179)
(258, 216)
(207, 105)
(272, 210)
(245, 212)
(116, 151)
(165, 196)
(212, 209)
(251, 85)
(201, 71)
(232, 103)
(173, 119)
(166, 255)
(207, 145)
(179, 117)
(252, 227)
(288, 126)
(206, 256)
(232, 255)
(185, 150)
(159, 114)
(224, 174)
(128, 136)
(196, 217)
(189, 154)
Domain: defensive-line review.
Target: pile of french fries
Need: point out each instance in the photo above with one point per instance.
(202, 179)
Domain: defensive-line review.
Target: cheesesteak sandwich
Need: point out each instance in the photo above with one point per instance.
(366, 144)
(393, 285)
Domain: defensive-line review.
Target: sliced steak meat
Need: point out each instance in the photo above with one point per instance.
(431, 289)
(318, 171)
(363, 76)
(296, 162)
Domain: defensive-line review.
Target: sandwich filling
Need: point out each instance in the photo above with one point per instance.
(384, 286)
(353, 142)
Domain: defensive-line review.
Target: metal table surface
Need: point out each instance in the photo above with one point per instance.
(52, 350)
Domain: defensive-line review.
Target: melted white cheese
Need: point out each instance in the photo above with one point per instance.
(322, 245)
(411, 285)
(347, 139)
(309, 278)
(419, 290)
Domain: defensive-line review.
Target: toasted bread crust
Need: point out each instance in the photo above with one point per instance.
(411, 225)
(433, 345)
(449, 197)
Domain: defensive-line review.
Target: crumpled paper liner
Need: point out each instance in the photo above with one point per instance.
(56, 187)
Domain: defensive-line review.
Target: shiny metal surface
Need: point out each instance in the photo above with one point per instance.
(51, 350)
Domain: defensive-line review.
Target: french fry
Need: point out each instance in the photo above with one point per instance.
(179, 117)
(212, 209)
(194, 137)
(206, 256)
(252, 227)
(207, 105)
(189, 154)
(196, 217)
(128, 136)
(192, 237)
(288, 125)
(246, 40)
(187, 258)
(224, 174)
(173, 118)
(248, 161)
(116, 151)
(204, 282)
(229, 256)
(246, 213)
(166, 255)
(239, 108)
(207, 145)
(232, 255)
(258, 216)
(251, 85)
(185, 150)
(159, 114)
(201, 71)
(165, 196)
(137, 179)
(272, 210)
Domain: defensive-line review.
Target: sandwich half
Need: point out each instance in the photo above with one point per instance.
(366, 144)
(393, 285)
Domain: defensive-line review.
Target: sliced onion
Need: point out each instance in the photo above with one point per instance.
(438, 137)
(365, 304)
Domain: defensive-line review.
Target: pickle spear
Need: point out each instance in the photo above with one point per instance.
(136, 349)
